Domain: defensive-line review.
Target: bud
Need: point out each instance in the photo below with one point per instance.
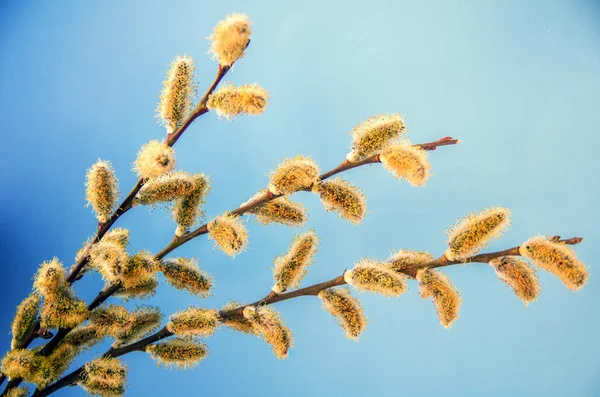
(165, 188)
(405, 259)
(346, 309)
(104, 377)
(556, 258)
(238, 323)
(20, 363)
(110, 259)
(62, 310)
(142, 291)
(519, 276)
(269, 324)
(50, 276)
(297, 173)
(188, 209)
(229, 234)
(230, 38)
(374, 276)
(142, 321)
(280, 210)
(406, 161)
(185, 274)
(344, 198)
(194, 322)
(178, 91)
(17, 392)
(25, 317)
(230, 101)
(101, 190)
(84, 336)
(374, 134)
(475, 231)
(140, 269)
(290, 268)
(112, 320)
(178, 352)
(154, 159)
(444, 295)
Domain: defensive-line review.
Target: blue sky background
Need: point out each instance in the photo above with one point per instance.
(517, 81)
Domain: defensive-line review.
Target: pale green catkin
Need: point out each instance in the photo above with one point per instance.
(101, 190)
(344, 198)
(178, 92)
(25, 317)
(194, 321)
(188, 209)
(290, 268)
(184, 274)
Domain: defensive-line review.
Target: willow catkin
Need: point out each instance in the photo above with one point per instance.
(475, 231)
(188, 209)
(405, 259)
(182, 353)
(139, 270)
(519, 276)
(340, 303)
(344, 198)
(54, 365)
(112, 320)
(117, 235)
(17, 392)
(269, 324)
(178, 92)
(109, 258)
(105, 377)
(184, 274)
(237, 322)
(230, 39)
(290, 268)
(165, 188)
(62, 309)
(230, 101)
(50, 276)
(374, 134)
(142, 291)
(446, 298)
(228, 233)
(84, 336)
(20, 363)
(142, 321)
(101, 191)
(25, 317)
(374, 276)
(294, 174)
(281, 210)
(194, 321)
(154, 159)
(556, 258)
(406, 161)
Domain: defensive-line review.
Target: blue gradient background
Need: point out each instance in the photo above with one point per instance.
(518, 82)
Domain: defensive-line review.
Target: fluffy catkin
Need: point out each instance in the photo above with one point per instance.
(194, 321)
(142, 321)
(141, 291)
(238, 323)
(84, 336)
(139, 270)
(446, 298)
(109, 258)
(105, 377)
(178, 92)
(230, 39)
(475, 231)
(50, 276)
(20, 363)
(165, 188)
(101, 191)
(228, 233)
(178, 352)
(374, 134)
(230, 101)
(290, 268)
(519, 276)
(17, 392)
(188, 209)
(117, 235)
(112, 320)
(184, 274)
(404, 259)
(53, 366)
(269, 324)
(340, 303)
(294, 174)
(154, 159)
(344, 198)
(26, 315)
(404, 160)
(556, 258)
(62, 309)
(281, 210)
(374, 276)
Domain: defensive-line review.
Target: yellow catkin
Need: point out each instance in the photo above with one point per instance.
(102, 390)
(374, 276)
(290, 268)
(112, 320)
(188, 209)
(154, 159)
(17, 392)
(105, 377)
(404, 259)
(229, 234)
(50, 276)
(139, 270)
(109, 258)
(184, 274)
(117, 235)
(53, 366)
(167, 187)
(101, 189)
(194, 321)
(230, 101)
(141, 291)
(374, 134)
(556, 258)
(84, 336)
(230, 39)
(294, 174)
(344, 198)
(269, 324)
(519, 276)
(25, 317)
(178, 92)
(446, 298)
(62, 310)
(406, 161)
(20, 363)
(475, 231)
(177, 352)
(142, 321)
(281, 210)
(340, 303)
(238, 323)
